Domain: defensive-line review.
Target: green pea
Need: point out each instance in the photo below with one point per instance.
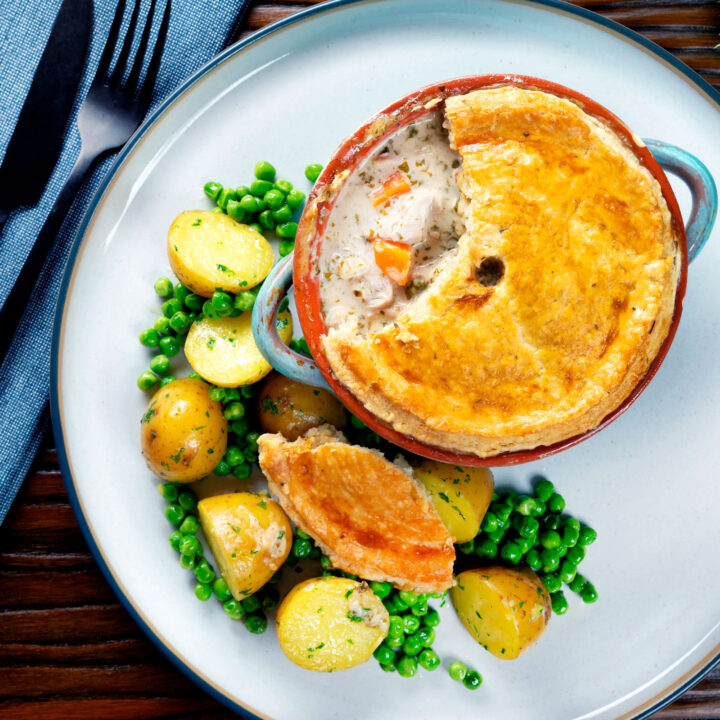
(270, 598)
(550, 560)
(234, 411)
(496, 536)
(212, 190)
(587, 535)
(524, 544)
(489, 523)
(525, 505)
(174, 539)
(245, 301)
(407, 666)
(473, 680)
(511, 552)
(221, 301)
(578, 584)
(381, 589)
(457, 671)
(221, 590)
(400, 604)
(231, 394)
(171, 306)
(556, 503)
(286, 247)
(539, 509)
(532, 558)
(295, 198)
(384, 655)
(576, 554)
(163, 287)
(550, 539)
(162, 325)
(147, 380)
(551, 582)
(242, 471)
(432, 619)
(420, 608)
(266, 220)
(326, 563)
(256, 623)
(312, 172)
(226, 194)
(551, 522)
(189, 545)
(502, 511)
(239, 427)
(190, 525)
(486, 549)
(149, 338)
(222, 468)
(567, 571)
(195, 375)
(188, 562)
(559, 603)
(264, 171)
(187, 500)
(217, 394)
(258, 188)
(169, 346)
(528, 527)
(570, 535)
(209, 311)
(544, 489)
(467, 548)
(203, 592)
(242, 191)
(181, 292)
(411, 624)
(160, 365)
(395, 641)
(167, 380)
(251, 604)
(286, 230)
(427, 635)
(282, 214)
(249, 204)
(284, 186)
(218, 210)
(276, 578)
(274, 199)
(168, 491)
(412, 645)
(589, 593)
(194, 302)
(390, 605)
(429, 659)
(301, 548)
(204, 573)
(257, 228)
(232, 607)
(389, 667)
(236, 211)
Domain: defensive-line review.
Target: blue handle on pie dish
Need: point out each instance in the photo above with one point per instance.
(303, 369)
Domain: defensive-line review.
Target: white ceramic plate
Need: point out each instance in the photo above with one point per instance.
(648, 483)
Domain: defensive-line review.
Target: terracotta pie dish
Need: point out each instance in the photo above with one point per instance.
(542, 319)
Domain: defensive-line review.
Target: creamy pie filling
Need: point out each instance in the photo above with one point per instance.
(396, 220)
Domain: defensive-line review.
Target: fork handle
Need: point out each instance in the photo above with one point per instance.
(14, 307)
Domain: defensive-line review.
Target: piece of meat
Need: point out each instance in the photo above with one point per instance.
(368, 516)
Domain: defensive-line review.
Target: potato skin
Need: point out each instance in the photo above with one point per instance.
(461, 495)
(250, 538)
(223, 351)
(183, 433)
(315, 629)
(504, 609)
(290, 408)
(210, 251)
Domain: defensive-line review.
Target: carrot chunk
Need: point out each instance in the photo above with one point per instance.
(396, 184)
(394, 259)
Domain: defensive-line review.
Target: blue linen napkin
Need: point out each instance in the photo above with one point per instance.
(196, 33)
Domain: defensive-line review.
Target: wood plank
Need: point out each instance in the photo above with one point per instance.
(67, 625)
(45, 561)
(51, 517)
(112, 652)
(53, 589)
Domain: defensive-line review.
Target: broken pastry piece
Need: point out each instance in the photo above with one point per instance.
(370, 517)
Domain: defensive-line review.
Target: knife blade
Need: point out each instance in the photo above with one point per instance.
(38, 138)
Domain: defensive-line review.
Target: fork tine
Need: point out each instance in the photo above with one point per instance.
(153, 67)
(134, 77)
(121, 65)
(110, 43)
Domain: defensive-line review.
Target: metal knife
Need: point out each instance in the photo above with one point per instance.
(37, 141)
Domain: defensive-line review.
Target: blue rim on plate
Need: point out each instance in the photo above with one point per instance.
(564, 7)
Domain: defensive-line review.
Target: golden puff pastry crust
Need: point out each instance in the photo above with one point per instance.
(369, 516)
(557, 300)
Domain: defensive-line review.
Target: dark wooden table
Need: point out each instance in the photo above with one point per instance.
(69, 650)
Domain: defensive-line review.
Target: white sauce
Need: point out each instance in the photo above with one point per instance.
(353, 288)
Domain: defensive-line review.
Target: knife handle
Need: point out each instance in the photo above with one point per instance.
(19, 297)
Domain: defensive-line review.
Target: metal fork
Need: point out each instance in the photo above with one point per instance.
(110, 113)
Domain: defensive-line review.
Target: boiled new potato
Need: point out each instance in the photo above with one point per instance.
(224, 352)
(250, 538)
(331, 623)
(183, 433)
(504, 609)
(290, 408)
(210, 251)
(461, 495)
